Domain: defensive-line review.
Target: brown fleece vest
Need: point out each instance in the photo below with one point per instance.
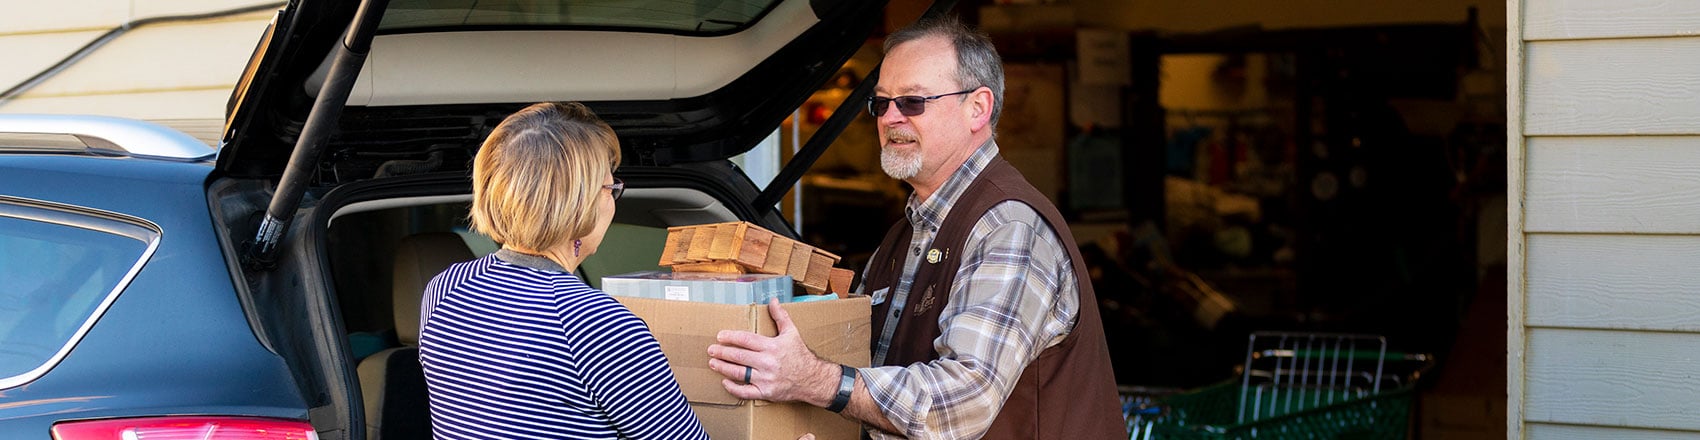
(1069, 392)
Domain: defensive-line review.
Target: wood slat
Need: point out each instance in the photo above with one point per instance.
(1569, 19)
(670, 249)
(1643, 184)
(779, 256)
(1613, 378)
(819, 271)
(838, 281)
(798, 267)
(1614, 281)
(1544, 431)
(682, 252)
(701, 242)
(1612, 87)
(710, 267)
(728, 239)
(752, 253)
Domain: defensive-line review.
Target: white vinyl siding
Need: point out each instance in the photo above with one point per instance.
(1605, 181)
(177, 73)
(1639, 86)
(1610, 377)
(1610, 281)
(1568, 432)
(1614, 184)
(1558, 20)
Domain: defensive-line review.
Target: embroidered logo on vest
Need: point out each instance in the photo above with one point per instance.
(926, 302)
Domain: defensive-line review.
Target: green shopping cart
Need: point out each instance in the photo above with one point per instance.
(1293, 386)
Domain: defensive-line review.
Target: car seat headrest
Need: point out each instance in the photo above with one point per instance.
(419, 258)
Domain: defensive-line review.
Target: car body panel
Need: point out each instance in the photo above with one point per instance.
(177, 321)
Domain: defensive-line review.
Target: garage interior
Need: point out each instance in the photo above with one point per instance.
(1232, 166)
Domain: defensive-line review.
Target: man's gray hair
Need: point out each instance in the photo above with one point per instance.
(977, 61)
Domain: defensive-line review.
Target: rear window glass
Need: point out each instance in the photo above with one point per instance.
(57, 269)
(668, 16)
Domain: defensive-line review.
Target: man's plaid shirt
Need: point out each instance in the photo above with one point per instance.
(1015, 295)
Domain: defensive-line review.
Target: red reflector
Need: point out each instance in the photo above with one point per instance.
(818, 113)
(191, 427)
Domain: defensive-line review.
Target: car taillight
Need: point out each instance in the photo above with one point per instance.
(189, 427)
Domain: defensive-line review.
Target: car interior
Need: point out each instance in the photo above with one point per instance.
(382, 254)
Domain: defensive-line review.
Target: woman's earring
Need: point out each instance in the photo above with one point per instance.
(576, 244)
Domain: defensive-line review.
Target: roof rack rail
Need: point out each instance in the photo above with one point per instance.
(91, 133)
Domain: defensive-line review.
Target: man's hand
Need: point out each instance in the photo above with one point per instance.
(780, 368)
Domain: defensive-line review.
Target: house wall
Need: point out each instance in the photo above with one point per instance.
(1204, 16)
(178, 73)
(1605, 220)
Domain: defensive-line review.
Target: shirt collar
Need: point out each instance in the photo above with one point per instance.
(530, 261)
(931, 212)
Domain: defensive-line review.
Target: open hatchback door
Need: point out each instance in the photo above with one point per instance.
(337, 90)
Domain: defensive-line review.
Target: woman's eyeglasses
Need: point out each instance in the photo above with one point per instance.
(908, 105)
(616, 188)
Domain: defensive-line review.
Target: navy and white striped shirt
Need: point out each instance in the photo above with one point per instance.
(513, 346)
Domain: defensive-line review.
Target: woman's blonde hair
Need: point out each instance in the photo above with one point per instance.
(537, 179)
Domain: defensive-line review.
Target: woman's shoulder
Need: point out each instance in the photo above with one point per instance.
(594, 311)
(582, 301)
(458, 273)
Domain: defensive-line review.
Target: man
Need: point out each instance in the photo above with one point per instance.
(984, 322)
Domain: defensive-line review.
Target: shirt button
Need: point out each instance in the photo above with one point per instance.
(895, 313)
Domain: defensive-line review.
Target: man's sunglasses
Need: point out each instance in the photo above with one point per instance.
(616, 188)
(908, 105)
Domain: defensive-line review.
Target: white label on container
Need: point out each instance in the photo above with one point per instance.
(679, 293)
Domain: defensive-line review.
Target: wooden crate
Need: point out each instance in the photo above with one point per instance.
(742, 247)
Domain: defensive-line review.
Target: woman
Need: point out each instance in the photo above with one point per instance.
(513, 344)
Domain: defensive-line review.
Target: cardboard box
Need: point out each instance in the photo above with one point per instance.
(837, 330)
(724, 288)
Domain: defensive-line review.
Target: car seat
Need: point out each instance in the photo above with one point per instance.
(391, 381)
(625, 249)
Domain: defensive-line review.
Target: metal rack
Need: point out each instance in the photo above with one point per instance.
(1294, 385)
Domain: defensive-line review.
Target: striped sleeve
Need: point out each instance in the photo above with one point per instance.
(627, 375)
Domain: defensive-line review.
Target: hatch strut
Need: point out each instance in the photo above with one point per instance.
(321, 121)
(829, 131)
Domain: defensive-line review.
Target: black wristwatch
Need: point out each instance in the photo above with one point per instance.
(846, 385)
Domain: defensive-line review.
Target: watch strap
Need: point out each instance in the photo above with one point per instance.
(846, 385)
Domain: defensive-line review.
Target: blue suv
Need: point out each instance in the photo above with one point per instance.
(152, 286)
